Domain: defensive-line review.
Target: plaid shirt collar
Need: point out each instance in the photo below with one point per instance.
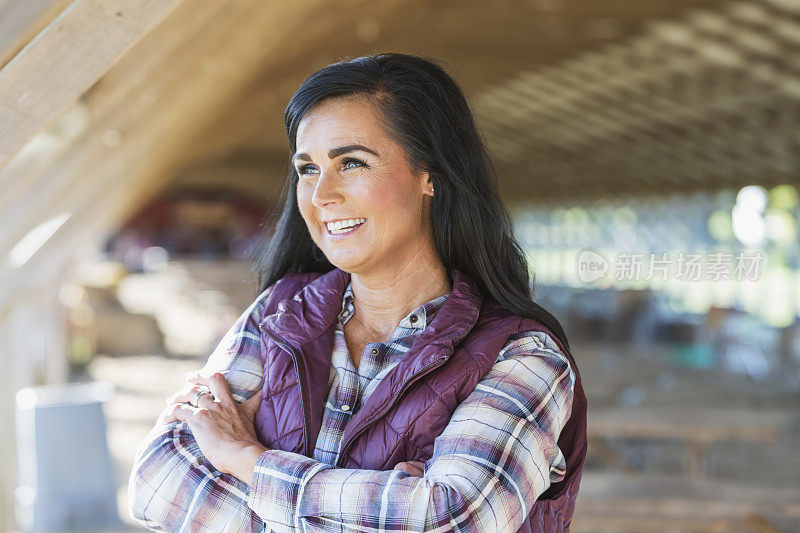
(422, 315)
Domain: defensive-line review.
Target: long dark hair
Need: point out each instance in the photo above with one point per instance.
(425, 111)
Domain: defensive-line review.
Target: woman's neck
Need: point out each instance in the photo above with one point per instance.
(382, 301)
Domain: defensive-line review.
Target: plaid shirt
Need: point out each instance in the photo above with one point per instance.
(516, 412)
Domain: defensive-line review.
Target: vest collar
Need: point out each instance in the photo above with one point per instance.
(316, 307)
(310, 312)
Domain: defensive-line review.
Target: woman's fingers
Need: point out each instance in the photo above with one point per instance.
(415, 468)
(189, 395)
(166, 417)
(184, 412)
(175, 412)
(218, 386)
(419, 466)
(251, 405)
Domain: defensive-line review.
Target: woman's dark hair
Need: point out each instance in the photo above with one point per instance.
(425, 111)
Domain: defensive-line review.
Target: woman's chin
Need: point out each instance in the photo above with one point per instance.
(348, 262)
(345, 261)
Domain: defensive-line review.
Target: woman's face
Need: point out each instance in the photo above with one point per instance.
(350, 170)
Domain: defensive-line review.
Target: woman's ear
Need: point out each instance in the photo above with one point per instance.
(428, 183)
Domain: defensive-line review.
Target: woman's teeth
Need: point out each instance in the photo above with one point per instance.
(343, 226)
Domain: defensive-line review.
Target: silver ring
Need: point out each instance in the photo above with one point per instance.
(200, 393)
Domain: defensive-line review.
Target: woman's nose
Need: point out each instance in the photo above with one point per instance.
(327, 189)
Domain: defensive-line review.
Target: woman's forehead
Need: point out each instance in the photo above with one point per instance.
(333, 124)
(340, 114)
(333, 145)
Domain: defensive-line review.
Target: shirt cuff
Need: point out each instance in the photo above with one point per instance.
(279, 478)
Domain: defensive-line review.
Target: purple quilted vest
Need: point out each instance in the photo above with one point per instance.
(415, 401)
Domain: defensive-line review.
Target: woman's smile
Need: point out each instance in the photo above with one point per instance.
(341, 229)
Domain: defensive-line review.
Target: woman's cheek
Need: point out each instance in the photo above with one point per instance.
(304, 202)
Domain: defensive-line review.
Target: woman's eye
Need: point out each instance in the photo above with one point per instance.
(306, 169)
(352, 162)
(347, 163)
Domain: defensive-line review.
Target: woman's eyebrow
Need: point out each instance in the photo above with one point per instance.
(336, 152)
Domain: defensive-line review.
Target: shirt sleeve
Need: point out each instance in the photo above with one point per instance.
(172, 486)
(495, 457)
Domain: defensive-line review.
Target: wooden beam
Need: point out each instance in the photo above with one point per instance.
(22, 20)
(65, 59)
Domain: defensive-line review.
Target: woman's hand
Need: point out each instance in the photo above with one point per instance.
(415, 468)
(223, 429)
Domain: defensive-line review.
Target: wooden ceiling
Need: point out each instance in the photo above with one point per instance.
(708, 100)
(493, 48)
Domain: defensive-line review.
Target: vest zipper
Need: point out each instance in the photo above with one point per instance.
(296, 360)
(416, 377)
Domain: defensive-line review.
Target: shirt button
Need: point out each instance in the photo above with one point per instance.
(375, 351)
(413, 318)
(345, 407)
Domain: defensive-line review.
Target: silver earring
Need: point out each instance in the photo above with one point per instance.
(432, 190)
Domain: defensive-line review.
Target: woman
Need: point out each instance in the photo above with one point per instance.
(394, 373)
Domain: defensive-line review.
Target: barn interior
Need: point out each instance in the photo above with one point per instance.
(143, 157)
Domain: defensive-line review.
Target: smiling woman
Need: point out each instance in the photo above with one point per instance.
(394, 373)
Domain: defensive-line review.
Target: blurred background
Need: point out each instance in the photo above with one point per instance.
(649, 152)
